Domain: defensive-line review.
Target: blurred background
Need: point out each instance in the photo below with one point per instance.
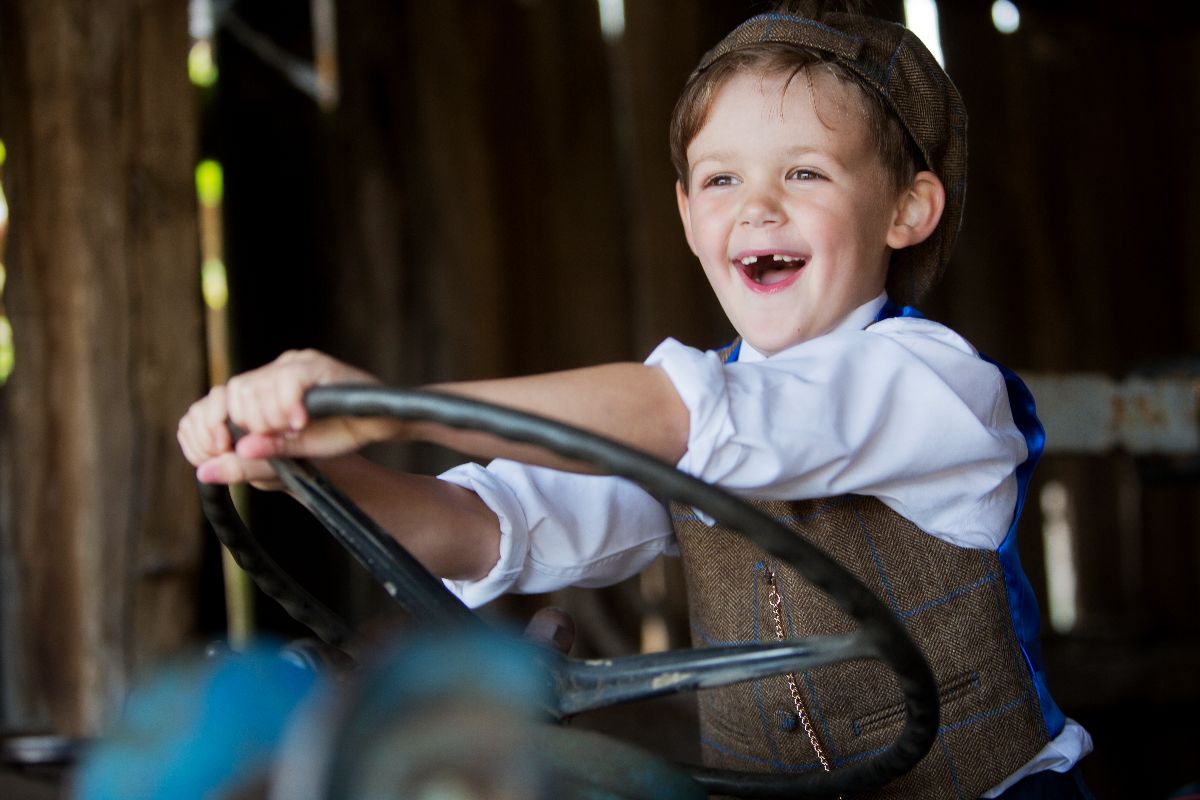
(477, 188)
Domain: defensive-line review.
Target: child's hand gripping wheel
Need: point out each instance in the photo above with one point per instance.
(581, 685)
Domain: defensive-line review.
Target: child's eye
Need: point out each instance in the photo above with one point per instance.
(720, 180)
(804, 174)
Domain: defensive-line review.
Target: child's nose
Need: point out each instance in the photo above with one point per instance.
(762, 207)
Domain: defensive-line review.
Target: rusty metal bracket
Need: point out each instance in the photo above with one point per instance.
(1093, 414)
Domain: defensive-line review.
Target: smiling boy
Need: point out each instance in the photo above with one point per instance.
(789, 208)
(821, 175)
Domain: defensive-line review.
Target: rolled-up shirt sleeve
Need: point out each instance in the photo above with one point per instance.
(561, 529)
(905, 411)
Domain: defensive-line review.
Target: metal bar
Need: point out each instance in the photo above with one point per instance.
(274, 582)
(324, 26)
(1090, 413)
(302, 75)
(586, 685)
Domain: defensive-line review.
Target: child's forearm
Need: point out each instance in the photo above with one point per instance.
(630, 403)
(446, 527)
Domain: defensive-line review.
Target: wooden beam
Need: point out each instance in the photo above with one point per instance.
(99, 542)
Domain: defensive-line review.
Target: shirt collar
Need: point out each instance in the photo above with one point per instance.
(856, 320)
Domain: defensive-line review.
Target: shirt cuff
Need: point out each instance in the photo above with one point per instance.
(514, 535)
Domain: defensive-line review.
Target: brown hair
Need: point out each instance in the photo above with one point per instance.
(897, 152)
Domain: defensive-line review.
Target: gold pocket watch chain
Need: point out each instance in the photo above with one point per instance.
(777, 607)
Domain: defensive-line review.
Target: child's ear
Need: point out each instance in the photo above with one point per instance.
(918, 211)
(685, 213)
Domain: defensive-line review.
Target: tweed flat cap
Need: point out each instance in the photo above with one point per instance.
(892, 60)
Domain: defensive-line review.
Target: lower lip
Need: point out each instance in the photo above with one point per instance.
(773, 288)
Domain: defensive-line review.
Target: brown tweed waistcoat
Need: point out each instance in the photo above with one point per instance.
(953, 602)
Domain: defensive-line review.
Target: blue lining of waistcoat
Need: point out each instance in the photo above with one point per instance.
(1022, 602)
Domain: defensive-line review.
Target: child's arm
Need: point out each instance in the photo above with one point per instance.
(628, 402)
(631, 403)
(446, 527)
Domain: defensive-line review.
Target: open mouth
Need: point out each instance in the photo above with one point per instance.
(770, 271)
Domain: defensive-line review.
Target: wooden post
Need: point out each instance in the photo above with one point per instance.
(99, 537)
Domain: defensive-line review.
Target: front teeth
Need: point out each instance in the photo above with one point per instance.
(748, 260)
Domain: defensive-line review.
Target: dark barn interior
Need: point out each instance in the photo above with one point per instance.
(478, 188)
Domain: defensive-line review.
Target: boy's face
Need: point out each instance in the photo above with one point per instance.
(788, 206)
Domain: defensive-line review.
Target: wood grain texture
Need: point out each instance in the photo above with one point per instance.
(99, 522)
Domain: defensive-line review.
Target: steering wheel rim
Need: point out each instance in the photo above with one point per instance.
(879, 636)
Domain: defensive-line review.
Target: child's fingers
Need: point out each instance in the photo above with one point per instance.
(185, 445)
(271, 398)
(253, 403)
(321, 439)
(280, 392)
(192, 451)
(261, 445)
(289, 400)
(305, 369)
(202, 433)
(228, 468)
(267, 400)
(244, 408)
(214, 411)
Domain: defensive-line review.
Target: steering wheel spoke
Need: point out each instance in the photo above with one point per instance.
(592, 684)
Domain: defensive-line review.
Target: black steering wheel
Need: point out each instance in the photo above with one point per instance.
(584, 685)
